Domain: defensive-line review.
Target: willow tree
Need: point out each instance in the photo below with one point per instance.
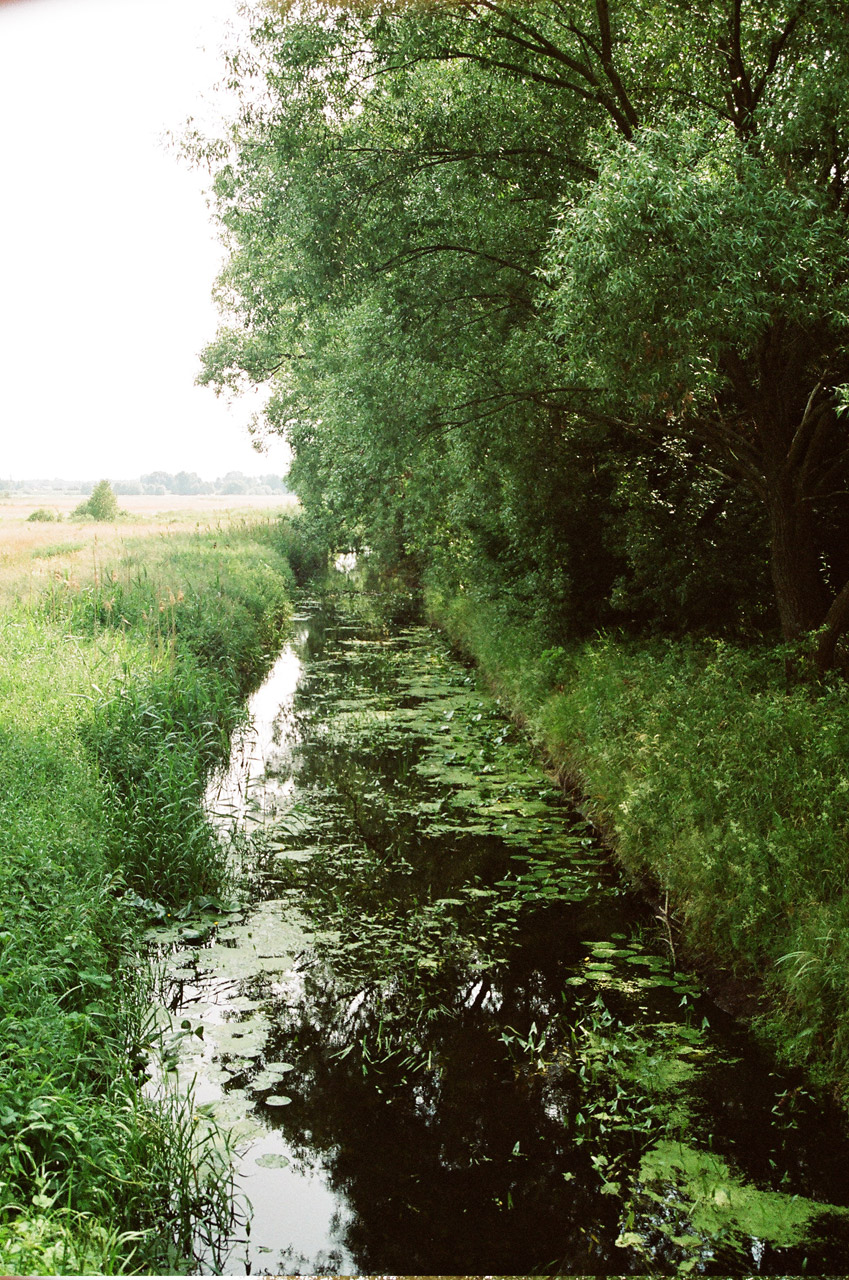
(488, 252)
(702, 285)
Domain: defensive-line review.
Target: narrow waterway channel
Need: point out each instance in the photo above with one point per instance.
(443, 1034)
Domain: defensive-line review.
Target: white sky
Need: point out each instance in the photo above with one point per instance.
(107, 251)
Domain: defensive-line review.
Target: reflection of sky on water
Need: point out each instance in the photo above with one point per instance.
(289, 1201)
(259, 778)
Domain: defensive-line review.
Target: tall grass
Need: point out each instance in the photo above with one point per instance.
(119, 688)
(718, 783)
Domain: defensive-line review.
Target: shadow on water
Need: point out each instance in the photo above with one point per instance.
(442, 1031)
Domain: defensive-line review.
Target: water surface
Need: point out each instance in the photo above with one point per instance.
(447, 1036)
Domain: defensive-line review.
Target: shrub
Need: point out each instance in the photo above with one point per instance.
(42, 513)
(102, 505)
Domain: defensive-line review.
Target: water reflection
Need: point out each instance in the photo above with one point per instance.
(258, 778)
(442, 1033)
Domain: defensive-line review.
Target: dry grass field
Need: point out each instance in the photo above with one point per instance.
(32, 553)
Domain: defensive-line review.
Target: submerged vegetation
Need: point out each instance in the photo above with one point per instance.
(121, 681)
(448, 1009)
(718, 785)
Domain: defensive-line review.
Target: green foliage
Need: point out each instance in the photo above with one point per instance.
(374, 376)
(718, 783)
(101, 505)
(686, 244)
(114, 707)
(552, 299)
(302, 545)
(43, 514)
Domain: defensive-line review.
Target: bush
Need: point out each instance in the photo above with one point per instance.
(301, 542)
(42, 513)
(102, 505)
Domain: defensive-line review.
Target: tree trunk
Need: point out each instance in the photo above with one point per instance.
(796, 572)
(836, 624)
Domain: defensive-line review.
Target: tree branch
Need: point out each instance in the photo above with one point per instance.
(543, 44)
(799, 442)
(411, 254)
(603, 13)
(835, 625)
(776, 49)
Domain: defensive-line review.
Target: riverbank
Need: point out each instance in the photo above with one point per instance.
(122, 679)
(715, 783)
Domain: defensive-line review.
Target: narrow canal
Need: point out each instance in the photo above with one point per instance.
(443, 1034)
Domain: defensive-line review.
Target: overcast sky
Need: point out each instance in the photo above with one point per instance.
(107, 253)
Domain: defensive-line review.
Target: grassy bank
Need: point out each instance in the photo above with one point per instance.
(717, 783)
(123, 675)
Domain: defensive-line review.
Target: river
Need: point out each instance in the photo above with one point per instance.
(443, 1033)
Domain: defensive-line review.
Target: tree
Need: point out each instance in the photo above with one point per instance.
(701, 297)
(102, 505)
(233, 482)
(187, 482)
(475, 243)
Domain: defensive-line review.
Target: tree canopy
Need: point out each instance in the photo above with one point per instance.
(552, 298)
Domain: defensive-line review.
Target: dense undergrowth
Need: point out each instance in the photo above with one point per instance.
(118, 692)
(720, 785)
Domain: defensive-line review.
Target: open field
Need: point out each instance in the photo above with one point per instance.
(19, 506)
(32, 553)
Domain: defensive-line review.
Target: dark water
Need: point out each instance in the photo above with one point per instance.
(446, 1035)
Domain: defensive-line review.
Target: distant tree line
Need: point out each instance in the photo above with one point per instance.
(158, 482)
(189, 482)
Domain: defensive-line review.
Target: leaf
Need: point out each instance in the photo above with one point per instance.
(630, 1240)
